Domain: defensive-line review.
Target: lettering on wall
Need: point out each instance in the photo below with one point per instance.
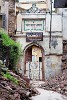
(33, 25)
(35, 36)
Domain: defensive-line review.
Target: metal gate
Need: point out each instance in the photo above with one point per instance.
(34, 70)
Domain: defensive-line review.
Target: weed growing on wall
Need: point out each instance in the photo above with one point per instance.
(11, 49)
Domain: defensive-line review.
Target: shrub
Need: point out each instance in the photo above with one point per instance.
(14, 49)
(11, 78)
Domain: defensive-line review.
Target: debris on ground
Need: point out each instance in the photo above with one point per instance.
(58, 83)
(14, 87)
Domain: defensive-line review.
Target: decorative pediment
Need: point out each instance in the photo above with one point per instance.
(33, 9)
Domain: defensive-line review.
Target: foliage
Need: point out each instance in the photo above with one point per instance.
(14, 48)
(11, 78)
(7, 41)
(14, 55)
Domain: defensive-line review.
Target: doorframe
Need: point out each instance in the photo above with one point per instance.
(43, 57)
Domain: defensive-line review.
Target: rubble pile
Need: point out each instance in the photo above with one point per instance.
(12, 91)
(64, 61)
(58, 84)
(64, 57)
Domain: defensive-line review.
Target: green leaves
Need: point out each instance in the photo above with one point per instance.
(14, 48)
(11, 78)
(7, 41)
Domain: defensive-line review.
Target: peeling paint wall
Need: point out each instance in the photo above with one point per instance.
(52, 66)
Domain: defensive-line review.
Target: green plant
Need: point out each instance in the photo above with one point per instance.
(11, 78)
(14, 49)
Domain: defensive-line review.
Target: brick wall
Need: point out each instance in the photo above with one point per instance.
(11, 18)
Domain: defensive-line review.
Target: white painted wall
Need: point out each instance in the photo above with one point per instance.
(65, 23)
(45, 44)
(63, 12)
(56, 23)
(19, 22)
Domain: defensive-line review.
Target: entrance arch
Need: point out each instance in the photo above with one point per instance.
(34, 61)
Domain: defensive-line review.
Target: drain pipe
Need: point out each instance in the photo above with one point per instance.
(50, 23)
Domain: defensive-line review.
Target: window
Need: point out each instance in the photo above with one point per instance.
(2, 21)
(40, 59)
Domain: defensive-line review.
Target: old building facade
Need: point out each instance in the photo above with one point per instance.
(41, 57)
(2, 14)
(7, 16)
(29, 24)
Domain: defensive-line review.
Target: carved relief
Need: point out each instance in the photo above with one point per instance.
(33, 9)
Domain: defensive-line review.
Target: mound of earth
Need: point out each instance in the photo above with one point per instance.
(20, 90)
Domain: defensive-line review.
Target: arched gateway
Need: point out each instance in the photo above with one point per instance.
(34, 61)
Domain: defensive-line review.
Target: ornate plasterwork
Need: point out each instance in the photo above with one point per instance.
(33, 9)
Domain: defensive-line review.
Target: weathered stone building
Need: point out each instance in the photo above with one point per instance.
(29, 24)
(2, 14)
(11, 19)
(41, 58)
(7, 16)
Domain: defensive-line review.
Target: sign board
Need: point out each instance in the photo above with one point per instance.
(33, 25)
(35, 36)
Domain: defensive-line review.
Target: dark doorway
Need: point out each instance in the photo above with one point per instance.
(28, 54)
